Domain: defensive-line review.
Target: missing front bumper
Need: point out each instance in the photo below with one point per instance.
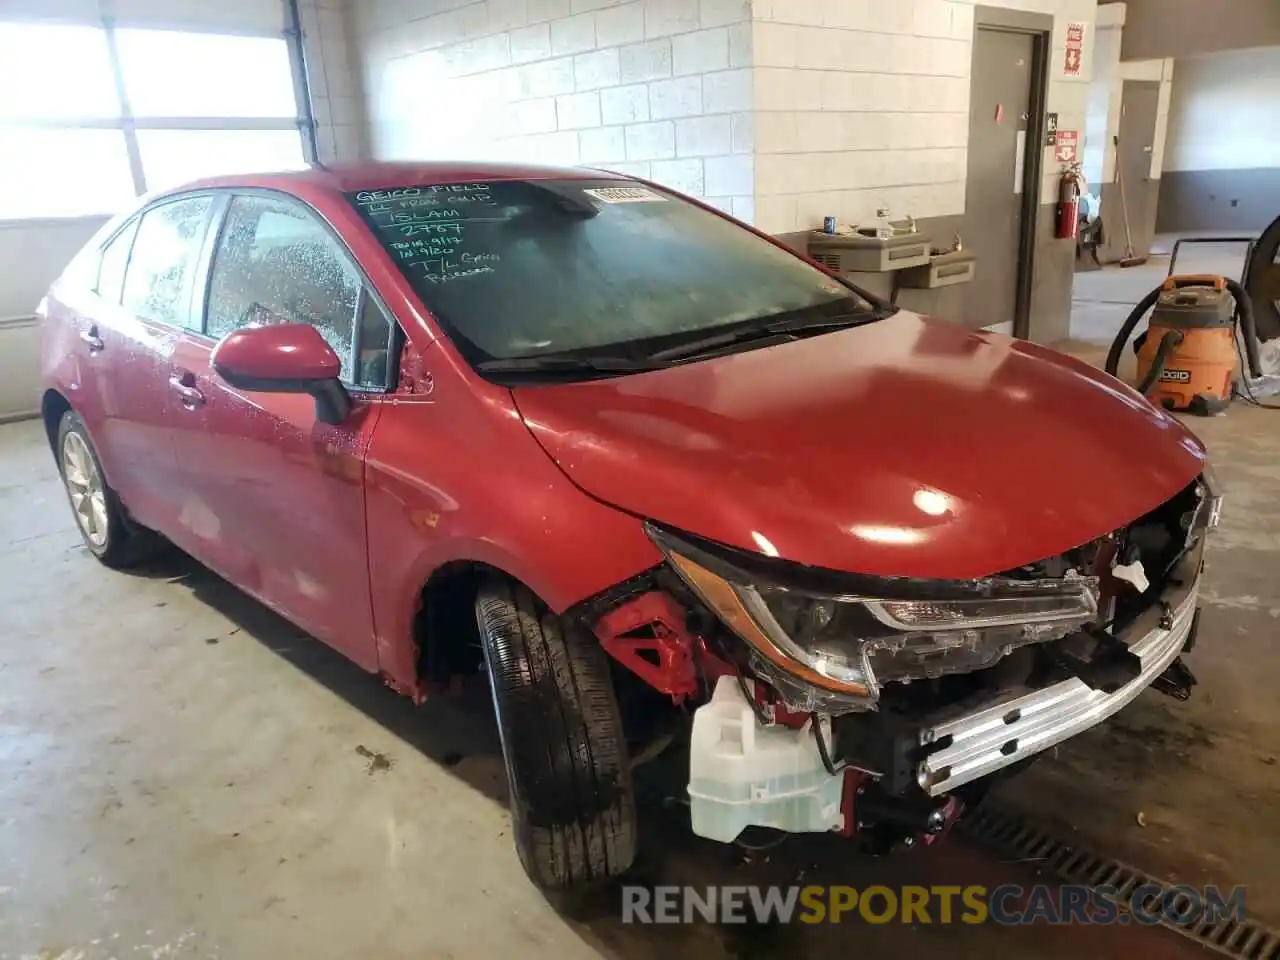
(996, 736)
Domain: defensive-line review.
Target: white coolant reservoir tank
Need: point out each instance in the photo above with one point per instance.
(743, 774)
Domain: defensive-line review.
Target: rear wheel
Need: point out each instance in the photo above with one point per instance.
(562, 740)
(107, 531)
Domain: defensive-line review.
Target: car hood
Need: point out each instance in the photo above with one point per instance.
(906, 447)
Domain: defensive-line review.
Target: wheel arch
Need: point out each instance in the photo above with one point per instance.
(53, 406)
(444, 633)
(446, 637)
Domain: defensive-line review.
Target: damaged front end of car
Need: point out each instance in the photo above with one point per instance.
(829, 701)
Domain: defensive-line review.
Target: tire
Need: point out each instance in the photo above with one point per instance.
(105, 527)
(1266, 257)
(572, 806)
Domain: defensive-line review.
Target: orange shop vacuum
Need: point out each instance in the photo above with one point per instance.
(1187, 355)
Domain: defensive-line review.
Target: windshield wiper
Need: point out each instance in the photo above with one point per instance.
(569, 365)
(787, 326)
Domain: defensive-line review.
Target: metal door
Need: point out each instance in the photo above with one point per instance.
(1000, 109)
(1138, 109)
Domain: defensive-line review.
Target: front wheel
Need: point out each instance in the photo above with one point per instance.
(562, 740)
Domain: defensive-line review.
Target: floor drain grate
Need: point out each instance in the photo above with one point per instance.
(1009, 835)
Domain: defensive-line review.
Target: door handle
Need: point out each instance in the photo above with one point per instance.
(94, 341)
(191, 397)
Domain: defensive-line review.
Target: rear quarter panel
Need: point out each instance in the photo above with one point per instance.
(69, 308)
(64, 365)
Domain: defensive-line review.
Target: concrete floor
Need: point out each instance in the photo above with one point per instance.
(183, 775)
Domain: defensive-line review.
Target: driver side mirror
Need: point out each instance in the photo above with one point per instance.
(286, 358)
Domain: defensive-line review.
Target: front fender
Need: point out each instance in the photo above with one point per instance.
(473, 485)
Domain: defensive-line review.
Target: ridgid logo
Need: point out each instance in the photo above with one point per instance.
(1009, 904)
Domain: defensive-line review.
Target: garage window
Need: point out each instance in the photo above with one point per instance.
(173, 157)
(52, 72)
(63, 172)
(171, 74)
(93, 116)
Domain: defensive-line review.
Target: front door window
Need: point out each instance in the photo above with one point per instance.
(276, 263)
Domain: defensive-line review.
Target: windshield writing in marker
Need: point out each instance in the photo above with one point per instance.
(427, 228)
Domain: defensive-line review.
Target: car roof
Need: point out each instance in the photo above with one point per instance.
(345, 178)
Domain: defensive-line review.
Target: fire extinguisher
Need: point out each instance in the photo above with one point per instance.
(1070, 187)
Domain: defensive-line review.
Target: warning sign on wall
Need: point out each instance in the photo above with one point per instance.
(1067, 148)
(1073, 60)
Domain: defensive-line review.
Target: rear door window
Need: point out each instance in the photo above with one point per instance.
(115, 260)
(277, 263)
(157, 283)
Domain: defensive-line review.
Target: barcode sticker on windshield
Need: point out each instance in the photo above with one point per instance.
(626, 195)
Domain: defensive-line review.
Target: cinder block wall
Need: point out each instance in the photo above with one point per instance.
(859, 109)
(780, 111)
(862, 105)
(845, 105)
(333, 71)
(657, 88)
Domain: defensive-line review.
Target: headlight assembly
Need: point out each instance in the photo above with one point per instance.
(849, 641)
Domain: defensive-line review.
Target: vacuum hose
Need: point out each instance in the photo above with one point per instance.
(1126, 329)
(1170, 340)
(1248, 330)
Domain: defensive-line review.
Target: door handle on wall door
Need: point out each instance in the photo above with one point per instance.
(191, 397)
(94, 341)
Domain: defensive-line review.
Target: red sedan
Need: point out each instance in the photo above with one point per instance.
(609, 445)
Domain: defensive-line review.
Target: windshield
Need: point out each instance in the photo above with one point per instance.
(519, 269)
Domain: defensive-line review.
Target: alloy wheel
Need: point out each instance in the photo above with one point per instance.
(85, 487)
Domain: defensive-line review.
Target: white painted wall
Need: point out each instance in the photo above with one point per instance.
(864, 104)
(656, 88)
(33, 254)
(1099, 153)
(1225, 111)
